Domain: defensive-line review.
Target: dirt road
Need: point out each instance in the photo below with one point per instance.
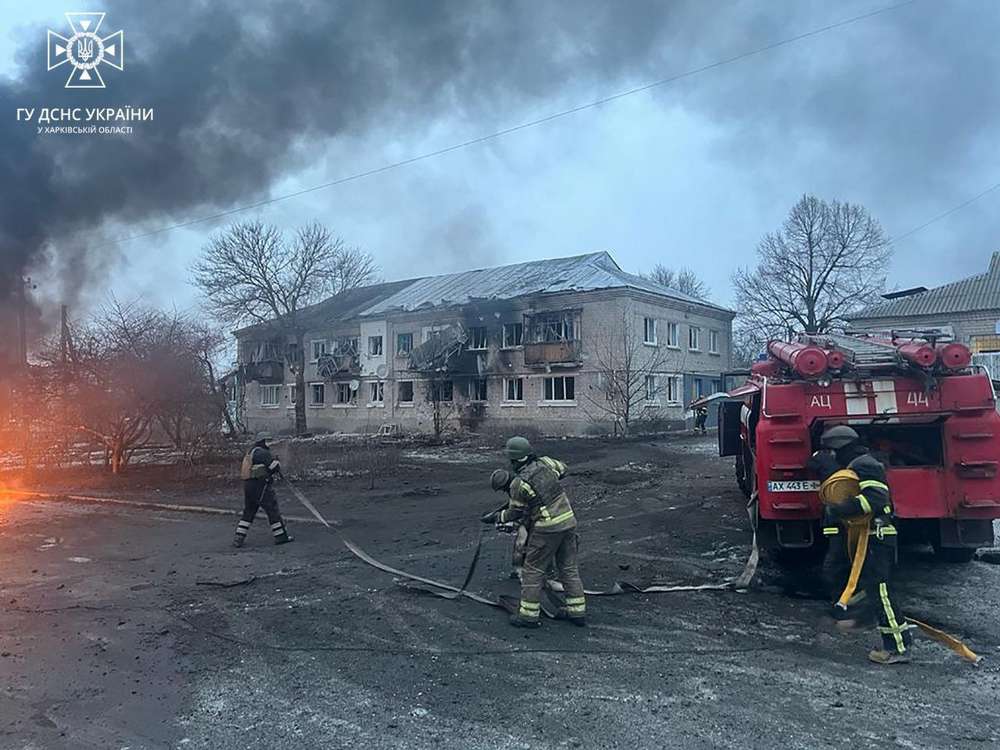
(137, 628)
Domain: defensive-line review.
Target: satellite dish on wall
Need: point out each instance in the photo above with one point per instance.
(381, 371)
(354, 385)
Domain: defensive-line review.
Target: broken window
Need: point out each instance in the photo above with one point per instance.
(549, 327)
(649, 330)
(317, 394)
(318, 349)
(346, 345)
(443, 390)
(258, 351)
(344, 393)
(404, 343)
(478, 338)
(376, 392)
(561, 388)
(269, 395)
(374, 346)
(406, 391)
(477, 389)
(513, 334)
(291, 395)
(513, 389)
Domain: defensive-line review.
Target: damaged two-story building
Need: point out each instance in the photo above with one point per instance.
(532, 345)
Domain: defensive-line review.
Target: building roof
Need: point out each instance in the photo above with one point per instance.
(980, 292)
(580, 273)
(343, 306)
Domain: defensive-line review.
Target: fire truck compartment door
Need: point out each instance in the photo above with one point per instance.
(729, 428)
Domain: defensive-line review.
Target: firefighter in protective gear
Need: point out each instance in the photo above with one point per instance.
(875, 554)
(538, 501)
(257, 472)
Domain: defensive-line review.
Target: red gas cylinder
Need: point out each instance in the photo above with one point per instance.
(922, 355)
(954, 356)
(808, 361)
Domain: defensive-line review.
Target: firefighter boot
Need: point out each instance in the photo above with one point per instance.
(525, 622)
(881, 656)
(280, 532)
(242, 528)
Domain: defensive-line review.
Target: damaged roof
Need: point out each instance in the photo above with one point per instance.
(579, 273)
(979, 292)
(343, 306)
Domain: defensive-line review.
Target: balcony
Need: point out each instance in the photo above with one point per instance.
(546, 353)
(331, 366)
(268, 372)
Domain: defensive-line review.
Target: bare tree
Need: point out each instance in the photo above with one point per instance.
(685, 280)
(827, 259)
(250, 274)
(630, 372)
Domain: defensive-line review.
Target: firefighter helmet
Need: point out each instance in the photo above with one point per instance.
(262, 437)
(518, 448)
(867, 467)
(500, 479)
(839, 436)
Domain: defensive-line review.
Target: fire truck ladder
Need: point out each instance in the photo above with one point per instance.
(861, 353)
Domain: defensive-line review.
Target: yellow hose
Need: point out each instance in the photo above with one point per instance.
(857, 549)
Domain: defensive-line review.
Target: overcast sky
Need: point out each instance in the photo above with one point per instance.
(898, 112)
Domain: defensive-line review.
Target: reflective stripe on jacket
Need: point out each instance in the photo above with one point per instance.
(537, 495)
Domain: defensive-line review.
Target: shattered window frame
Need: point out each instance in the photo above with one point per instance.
(270, 403)
(479, 339)
(513, 390)
(407, 386)
(442, 391)
(317, 352)
(291, 395)
(513, 335)
(559, 389)
(478, 390)
(343, 388)
(376, 392)
(346, 345)
(553, 327)
(374, 346)
(401, 348)
(674, 387)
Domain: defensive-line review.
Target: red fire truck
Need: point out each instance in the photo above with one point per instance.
(920, 406)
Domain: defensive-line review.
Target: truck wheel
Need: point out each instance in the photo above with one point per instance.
(798, 557)
(954, 554)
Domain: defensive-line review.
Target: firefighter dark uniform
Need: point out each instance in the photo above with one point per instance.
(258, 471)
(538, 500)
(877, 553)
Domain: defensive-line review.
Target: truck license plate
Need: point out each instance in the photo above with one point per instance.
(797, 485)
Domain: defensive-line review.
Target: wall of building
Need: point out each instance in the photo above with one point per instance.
(601, 315)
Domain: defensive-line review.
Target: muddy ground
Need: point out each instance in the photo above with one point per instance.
(139, 627)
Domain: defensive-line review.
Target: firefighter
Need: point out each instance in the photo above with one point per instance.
(700, 418)
(843, 449)
(500, 482)
(258, 472)
(538, 501)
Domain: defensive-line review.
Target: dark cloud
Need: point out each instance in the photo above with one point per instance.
(889, 111)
